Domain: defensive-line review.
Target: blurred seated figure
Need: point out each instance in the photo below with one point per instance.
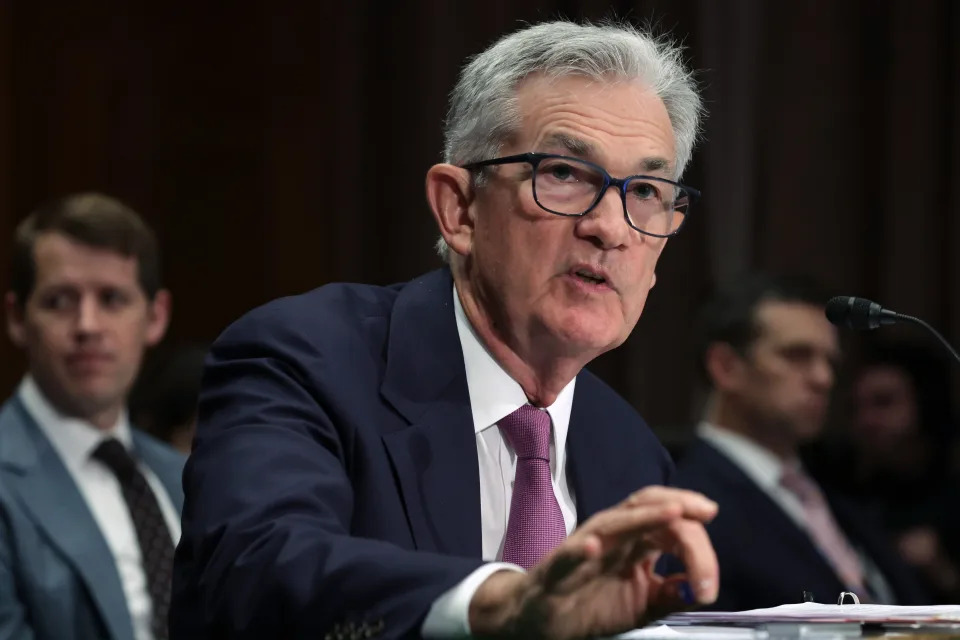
(901, 456)
(89, 504)
(769, 354)
(164, 399)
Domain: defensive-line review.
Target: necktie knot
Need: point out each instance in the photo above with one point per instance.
(528, 431)
(116, 457)
(796, 481)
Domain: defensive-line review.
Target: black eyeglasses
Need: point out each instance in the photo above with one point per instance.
(572, 187)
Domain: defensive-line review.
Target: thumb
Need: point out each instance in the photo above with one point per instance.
(673, 594)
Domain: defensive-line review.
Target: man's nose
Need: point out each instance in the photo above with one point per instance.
(89, 317)
(822, 374)
(606, 224)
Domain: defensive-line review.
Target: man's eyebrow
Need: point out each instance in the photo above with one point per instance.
(575, 146)
(654, 164)
(582, 149)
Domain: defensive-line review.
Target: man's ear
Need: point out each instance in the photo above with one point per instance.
(724, 366)
(450, 194)
(16, 325)
(158, 317)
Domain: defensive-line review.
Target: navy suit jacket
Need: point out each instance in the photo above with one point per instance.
(765, 559)
(58, 577)
(334, 483)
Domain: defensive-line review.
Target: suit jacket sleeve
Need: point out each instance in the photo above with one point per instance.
(14, 621)
(267, 549)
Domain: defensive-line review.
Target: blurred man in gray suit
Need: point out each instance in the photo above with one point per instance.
(89, 507)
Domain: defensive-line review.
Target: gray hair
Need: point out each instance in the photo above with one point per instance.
(483, 105)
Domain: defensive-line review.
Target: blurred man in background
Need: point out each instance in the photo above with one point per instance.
(89, 506)
(899, 456)
(769, 355)
(164, 399)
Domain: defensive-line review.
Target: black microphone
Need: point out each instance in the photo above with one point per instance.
(862, 314)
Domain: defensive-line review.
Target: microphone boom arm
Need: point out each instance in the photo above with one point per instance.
(922, 323)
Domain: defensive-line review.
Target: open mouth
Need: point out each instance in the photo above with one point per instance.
(589, 277)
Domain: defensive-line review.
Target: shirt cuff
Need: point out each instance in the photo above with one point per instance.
(449, 616)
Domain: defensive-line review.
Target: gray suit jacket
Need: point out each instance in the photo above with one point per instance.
(58, 579)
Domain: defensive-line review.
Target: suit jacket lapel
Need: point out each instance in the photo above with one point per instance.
(434, 454)
(48, 493)
(610, 452)
(778, 524)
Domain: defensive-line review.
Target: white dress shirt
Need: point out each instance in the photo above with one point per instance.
(74, 441)
(493, 396)
(765, 469)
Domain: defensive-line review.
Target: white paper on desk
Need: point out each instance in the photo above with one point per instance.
(663, 632)
(816, 612)
(650, 633)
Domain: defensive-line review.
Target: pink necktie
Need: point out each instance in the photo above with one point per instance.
(824, 530)
(536, 524)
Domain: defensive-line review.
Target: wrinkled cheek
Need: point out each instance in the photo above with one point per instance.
(631, 308)
(613, 327)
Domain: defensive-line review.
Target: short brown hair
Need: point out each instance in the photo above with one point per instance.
(92, 219)
(729, 315)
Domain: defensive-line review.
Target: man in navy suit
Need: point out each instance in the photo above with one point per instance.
(769, 355)
(89, 506)
(430, 459)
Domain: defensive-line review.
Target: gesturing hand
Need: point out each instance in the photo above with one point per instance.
(600, 580)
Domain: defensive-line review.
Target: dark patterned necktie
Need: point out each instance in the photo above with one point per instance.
(156, 544)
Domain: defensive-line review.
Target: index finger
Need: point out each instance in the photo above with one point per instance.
(631, 520)
(689, 540)
(695, 505)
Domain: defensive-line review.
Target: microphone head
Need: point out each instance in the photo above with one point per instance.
(855, 313)
(838, 309)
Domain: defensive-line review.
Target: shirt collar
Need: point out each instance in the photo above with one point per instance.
(493, 393)
(74, 439)
(759, 463)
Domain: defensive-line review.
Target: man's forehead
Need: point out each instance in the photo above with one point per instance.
(57, 256)
(623, 98)
(883, 375)
(579, 86)
(793, 320)
(583, 116)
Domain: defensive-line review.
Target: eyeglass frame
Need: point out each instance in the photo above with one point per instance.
(534, 159)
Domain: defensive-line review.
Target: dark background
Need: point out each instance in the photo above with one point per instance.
(277, 146)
